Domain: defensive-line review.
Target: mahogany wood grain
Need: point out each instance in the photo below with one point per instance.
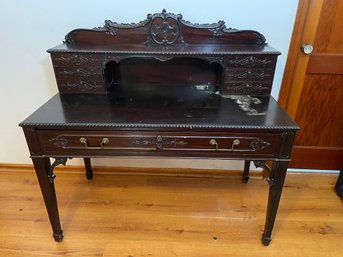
(325, 64)
(321, 112)
(330, 29)
(328, 157)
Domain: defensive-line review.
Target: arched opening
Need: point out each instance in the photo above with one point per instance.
(186, 78)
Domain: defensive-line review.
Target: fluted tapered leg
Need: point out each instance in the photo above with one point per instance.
(42, 167)
(276, 181)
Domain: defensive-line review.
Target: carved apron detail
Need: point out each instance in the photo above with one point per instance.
(159, 142)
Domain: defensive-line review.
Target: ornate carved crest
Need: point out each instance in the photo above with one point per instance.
(164, 29)
(112, 28)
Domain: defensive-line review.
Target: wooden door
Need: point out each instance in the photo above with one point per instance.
(312, 87)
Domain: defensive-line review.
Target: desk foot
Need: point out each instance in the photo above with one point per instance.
(89, 176)
(58, 236)
(339, 184)
(266, 240)
(245, 179)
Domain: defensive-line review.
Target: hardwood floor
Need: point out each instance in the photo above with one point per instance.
(155, 215)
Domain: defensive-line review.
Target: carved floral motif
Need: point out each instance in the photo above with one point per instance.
(250, 61)
(249, 74)
(258, 144)
(249, 88)
(82, 72)
(76, 59)
(82, 86)
(159, 142)
(59, 141)
(165, 29)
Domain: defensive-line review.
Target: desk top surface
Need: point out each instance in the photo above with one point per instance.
(81, 111)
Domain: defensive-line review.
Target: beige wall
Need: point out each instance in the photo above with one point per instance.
(28, 28)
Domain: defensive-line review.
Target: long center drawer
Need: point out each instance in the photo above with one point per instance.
(155, 143)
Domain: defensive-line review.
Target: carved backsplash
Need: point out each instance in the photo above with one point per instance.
(163, 29)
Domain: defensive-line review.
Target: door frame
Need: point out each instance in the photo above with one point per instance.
(304, 31)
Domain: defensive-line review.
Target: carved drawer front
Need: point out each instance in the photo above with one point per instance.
(73, 59)
(80, 73)
(238, 74)
(81, 86)
(253, 88)
(246, 74)
(252, 61)
(216, 144)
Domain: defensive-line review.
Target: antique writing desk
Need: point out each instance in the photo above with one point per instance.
(162, 87)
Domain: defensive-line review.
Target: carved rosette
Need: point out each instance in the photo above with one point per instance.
(165, 30)
(258, 144)
(59, 141)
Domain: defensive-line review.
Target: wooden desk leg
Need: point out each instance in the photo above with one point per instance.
(339, 184)
(42, 166)
(276, 181)
(88, 166)
(245, 177)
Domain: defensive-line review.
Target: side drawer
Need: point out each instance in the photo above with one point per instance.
(77, 72)
(81, 86)
(248, 74)
(72, 59)
(155, 143)
(252, 61)
(247, 88)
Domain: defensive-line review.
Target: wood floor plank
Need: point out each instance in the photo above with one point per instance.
(152, 215)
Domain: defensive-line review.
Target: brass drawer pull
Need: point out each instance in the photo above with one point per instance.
(104, 141)
(234, 143)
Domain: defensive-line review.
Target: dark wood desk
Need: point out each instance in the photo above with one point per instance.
(162, 87)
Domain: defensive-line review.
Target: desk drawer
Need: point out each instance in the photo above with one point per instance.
(72, 59)
(154, 143)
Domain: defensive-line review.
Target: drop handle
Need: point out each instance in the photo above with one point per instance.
(235, 142)
(307, 49)
(103, 142)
